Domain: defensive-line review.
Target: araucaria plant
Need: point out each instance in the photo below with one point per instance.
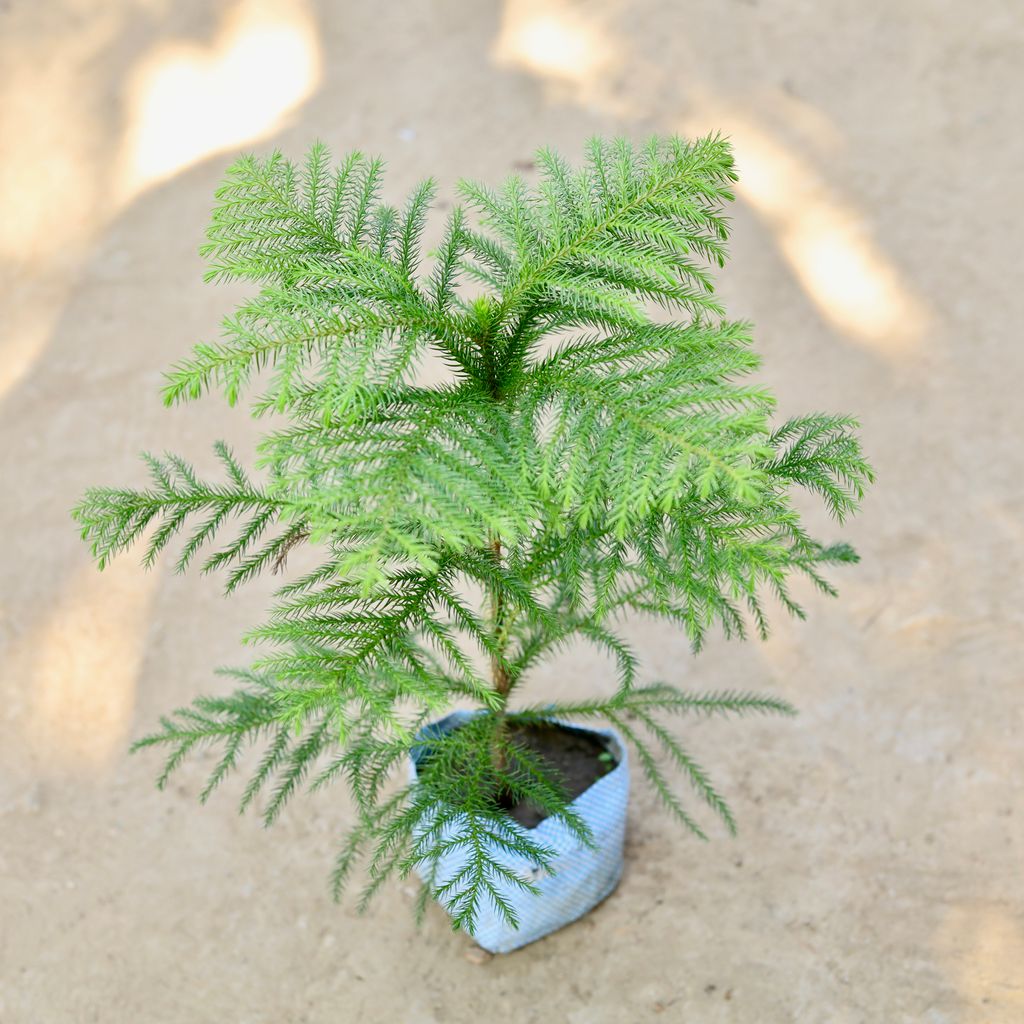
(596, 452)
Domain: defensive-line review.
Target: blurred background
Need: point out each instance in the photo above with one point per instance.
(877, 875)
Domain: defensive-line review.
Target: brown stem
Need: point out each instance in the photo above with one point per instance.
(282, 555)
(499, 672)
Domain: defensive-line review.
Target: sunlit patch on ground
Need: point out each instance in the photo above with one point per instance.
(825, 242)
(27, 333)
(83, 661)
(187, 102)
(550, 41)
(983, 945)
(183, 102)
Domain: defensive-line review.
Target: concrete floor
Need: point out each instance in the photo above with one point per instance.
(877, 876)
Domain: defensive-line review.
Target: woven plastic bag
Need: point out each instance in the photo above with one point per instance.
(578, 877)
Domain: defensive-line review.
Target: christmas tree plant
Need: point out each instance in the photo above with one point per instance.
(597, 451)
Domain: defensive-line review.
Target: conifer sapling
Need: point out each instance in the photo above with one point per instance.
(598, 451)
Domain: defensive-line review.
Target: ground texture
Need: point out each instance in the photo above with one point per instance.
(877, 876)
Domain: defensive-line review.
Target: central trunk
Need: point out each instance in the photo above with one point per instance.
(499, 672)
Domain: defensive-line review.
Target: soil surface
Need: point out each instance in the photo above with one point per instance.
(876, 876)
(576, 759)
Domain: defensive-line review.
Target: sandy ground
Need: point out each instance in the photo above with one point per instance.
(877, 877)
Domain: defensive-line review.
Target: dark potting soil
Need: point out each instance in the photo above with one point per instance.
(576, 760)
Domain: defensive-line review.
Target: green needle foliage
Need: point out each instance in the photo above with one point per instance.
(599, 450)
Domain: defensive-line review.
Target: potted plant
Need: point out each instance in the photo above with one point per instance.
(584, 460)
